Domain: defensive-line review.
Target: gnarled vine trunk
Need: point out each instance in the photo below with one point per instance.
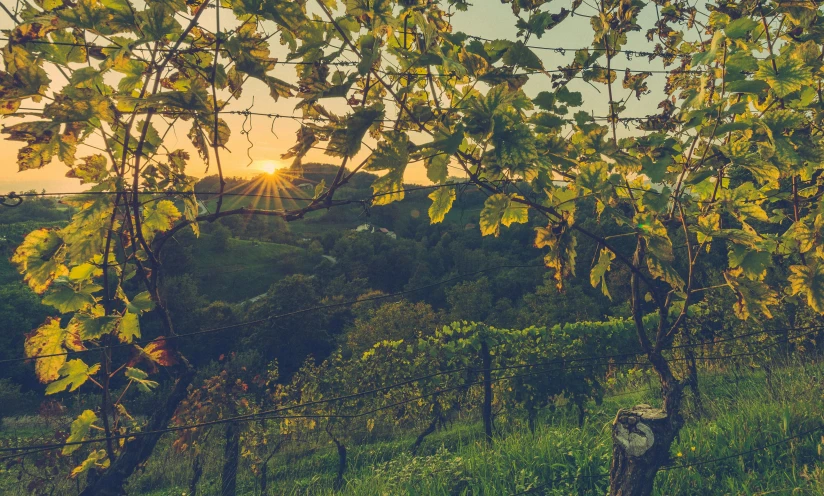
(641, 440)
(197, 473)
(231, 453)
(338, 485)
(138, 450)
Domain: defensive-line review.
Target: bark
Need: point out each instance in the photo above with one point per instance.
(579, 405)
(138, 450)
(341, 463)
(264, 470)
(641, 437)
(429, 430)
(531, 416)
(197, 473)
(486, 359)
(692, 377)
(231, 453)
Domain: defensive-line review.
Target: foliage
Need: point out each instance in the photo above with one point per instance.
(732, 163)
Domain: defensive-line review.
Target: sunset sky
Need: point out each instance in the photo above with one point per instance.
(487, 18)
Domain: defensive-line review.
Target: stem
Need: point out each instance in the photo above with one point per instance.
(215, 138)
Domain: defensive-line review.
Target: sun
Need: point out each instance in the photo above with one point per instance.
(267, 166)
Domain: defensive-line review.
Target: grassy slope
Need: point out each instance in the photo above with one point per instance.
(254, 263)
(742, 413)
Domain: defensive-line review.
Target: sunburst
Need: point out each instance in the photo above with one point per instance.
(267, 166)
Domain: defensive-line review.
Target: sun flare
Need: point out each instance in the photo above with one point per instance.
(267, 166)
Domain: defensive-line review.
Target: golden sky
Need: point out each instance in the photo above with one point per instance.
(487, 18)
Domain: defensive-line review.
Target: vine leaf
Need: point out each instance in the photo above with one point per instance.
(35, 259)
(391, 155)
(789, 76)
(65, 299)
(140, 378)
(739, 28)
(520, 55)
(809, 281)
(347, 136)
(128, 328)
(51, 339)
(141, 303)
(91, 170)
(74, 374)
(79, 430)
(750, 295)
(442, 199)
(93, 326)
(155, 353)
(562, 250)
(500, 209)
(598, 273)
(97, 459)
(753, 263)
(158, 217)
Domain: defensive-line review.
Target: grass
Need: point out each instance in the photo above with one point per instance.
(741, 413)
(256, 263)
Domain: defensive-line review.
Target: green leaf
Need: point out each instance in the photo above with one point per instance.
(50, 339)
(751, 295)
(739, 28)
(752, 263)
(74, 374)
(128, 328)
(92, 170)
(65, 299)
(436, 167)
(789, 76)
(708, 56)
(157, 23)
(562, 250)
(751, 86)
(158, 217)
(520, 55)
(141, 303)
(442, 199)
(500, 209)
(598, 273)
(809, 281)
(36, 259)
(140, 378)
(391, 155)
(370, 53)
(82, 272)
(347, 137)
(133, 74)
(656, 170)
(96, 459)
(79, 430)
(93, 327)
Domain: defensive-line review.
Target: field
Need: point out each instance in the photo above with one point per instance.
(256, 263)
(558, 458)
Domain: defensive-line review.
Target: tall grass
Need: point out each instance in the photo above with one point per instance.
(741, 413)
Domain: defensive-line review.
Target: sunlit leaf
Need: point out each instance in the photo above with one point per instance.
(79, 430)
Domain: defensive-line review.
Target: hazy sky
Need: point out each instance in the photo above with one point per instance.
(487, 18)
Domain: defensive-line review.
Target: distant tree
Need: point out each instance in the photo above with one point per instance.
(220, 238)
(393, 321)
(470, 300)
(20, 312)
(290, 339)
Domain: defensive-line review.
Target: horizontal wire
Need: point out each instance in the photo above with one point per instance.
(683, 465)
(273, 317)
(255, 417)
(32, 194)
(268, 414)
